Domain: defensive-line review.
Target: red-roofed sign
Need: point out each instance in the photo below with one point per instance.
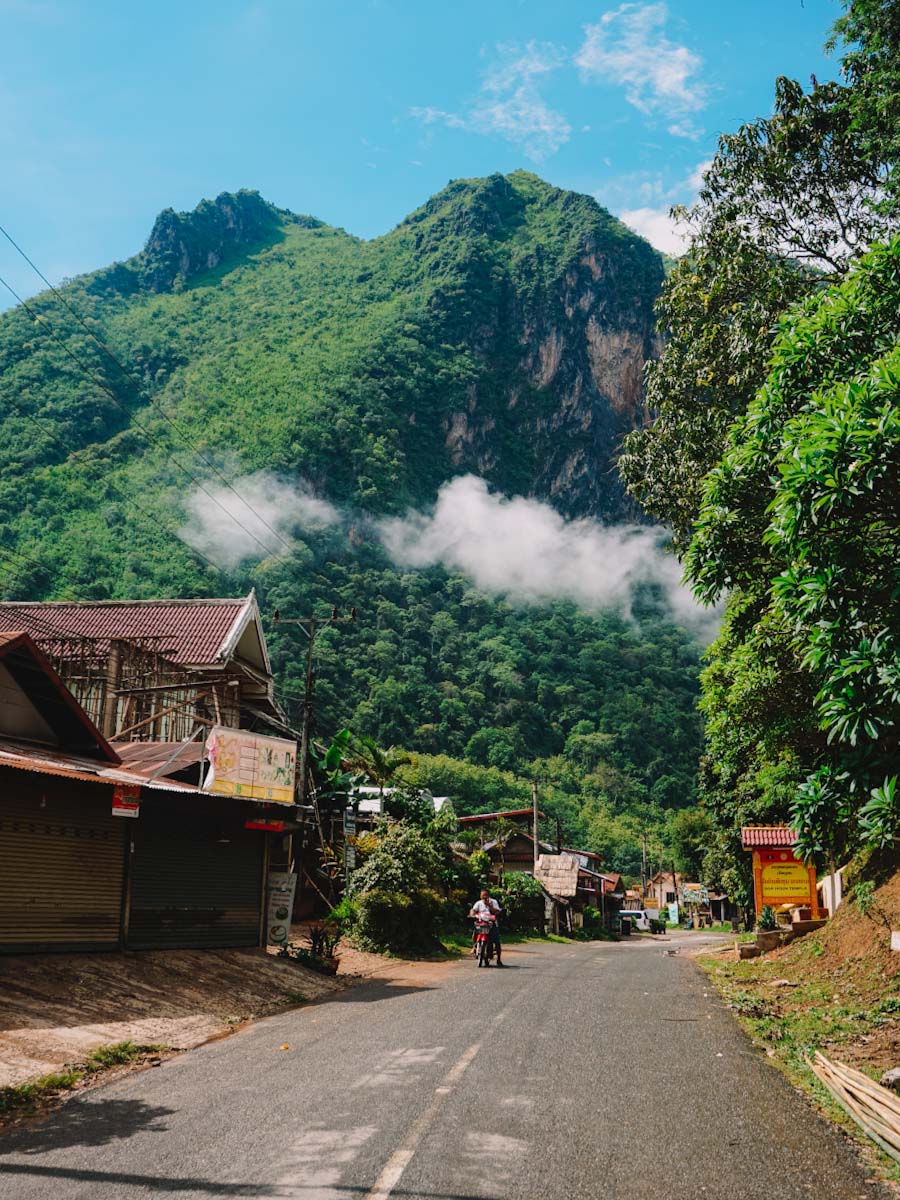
(753, 836)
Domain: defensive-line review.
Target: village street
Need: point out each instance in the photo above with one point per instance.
(579, 1070)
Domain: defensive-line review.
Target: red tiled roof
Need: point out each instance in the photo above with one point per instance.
(767, 835)
(33, 672)
(190, 632)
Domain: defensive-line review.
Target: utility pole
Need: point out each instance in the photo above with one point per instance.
(644, 864)
(310, 626)
(534, 819)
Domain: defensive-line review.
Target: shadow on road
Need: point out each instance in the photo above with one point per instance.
(366, 993)
(170, 1185)
(87, 1124)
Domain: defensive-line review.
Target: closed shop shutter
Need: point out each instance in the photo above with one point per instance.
(196, 875)
(62, 855)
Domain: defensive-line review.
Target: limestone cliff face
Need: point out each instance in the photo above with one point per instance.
(582, 326)
(501, 329)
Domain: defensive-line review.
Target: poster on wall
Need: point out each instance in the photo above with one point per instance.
(282, 885)
(126, 800)
(250, 765)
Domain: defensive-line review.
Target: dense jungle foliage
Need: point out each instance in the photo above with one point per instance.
(464, 340)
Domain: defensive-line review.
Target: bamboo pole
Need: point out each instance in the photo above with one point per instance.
(869, 1104)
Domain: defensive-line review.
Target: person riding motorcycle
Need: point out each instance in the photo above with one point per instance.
(486, 908)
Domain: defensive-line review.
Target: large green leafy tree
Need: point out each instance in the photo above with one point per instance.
(787, 201)
(801, 519)
(800, 692)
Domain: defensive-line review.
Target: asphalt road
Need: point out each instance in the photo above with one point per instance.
(578, 1071)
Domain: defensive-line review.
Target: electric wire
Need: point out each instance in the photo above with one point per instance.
(128, 501)
(138, 387)
(39, 318)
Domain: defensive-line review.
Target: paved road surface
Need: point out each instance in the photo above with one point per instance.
(579, 1071)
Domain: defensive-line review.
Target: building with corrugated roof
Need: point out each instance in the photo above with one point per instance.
(98, 855)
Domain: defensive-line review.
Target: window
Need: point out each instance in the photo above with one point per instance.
(670, 897)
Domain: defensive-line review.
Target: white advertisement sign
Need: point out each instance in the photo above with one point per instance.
(282, 885)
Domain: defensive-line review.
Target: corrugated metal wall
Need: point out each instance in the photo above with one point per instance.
(196, 874)
(62, 855)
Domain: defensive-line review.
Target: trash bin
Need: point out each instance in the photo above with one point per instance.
(626, 927)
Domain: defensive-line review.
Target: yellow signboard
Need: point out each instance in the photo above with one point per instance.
(785, 883)
(250, 765)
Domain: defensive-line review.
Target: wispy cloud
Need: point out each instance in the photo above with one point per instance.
(658, 226)
(509, 103)
(654, 220)
(629, 47)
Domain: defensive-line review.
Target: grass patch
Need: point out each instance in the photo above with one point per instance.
(28, 1097)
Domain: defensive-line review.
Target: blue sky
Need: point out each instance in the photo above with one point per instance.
(357, 110)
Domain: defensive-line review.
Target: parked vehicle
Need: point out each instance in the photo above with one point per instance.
(640, 919)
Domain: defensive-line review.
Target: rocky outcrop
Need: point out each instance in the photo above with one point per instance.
(183, 245)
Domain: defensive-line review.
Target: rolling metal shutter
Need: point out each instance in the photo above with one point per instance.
(62, 856)
(196, 875)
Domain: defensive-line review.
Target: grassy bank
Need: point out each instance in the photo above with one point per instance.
(837, 991)
(26, 1098)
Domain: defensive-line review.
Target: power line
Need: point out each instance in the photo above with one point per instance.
(126, 500)
(39, 318)
(136, 384)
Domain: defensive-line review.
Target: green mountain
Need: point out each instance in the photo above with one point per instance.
(501, 329)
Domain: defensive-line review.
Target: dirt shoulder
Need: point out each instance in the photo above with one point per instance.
(57, 1008)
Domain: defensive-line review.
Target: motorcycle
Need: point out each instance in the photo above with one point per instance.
(484, 943)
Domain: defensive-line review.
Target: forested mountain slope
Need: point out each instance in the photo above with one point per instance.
(501, 329)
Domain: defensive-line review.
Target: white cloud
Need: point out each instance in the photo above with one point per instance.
(686, 129)
(658, 227)
(653, 219)
(429, 116)
(525, 550)
(695, 180)
(251, 519)
(629, 47)
(509, 103)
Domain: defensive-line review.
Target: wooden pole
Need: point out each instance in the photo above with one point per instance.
(534, 819)
(110, 697)
(307, 714)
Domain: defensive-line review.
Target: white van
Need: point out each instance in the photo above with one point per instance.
(639, 917)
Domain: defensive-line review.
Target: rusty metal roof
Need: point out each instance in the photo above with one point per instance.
(493, 816)
(147, 757)
(753, 836)
(24, 756)
(188, 632)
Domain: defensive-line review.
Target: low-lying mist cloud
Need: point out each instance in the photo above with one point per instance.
(254, 520)
(525, 550)
(514, 547)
